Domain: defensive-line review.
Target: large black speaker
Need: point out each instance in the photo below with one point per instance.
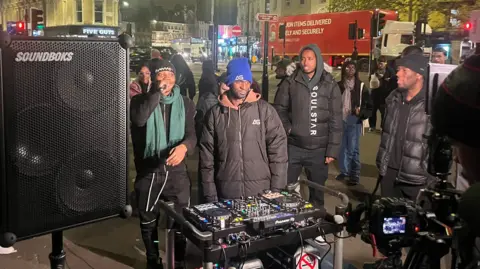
(63, 133)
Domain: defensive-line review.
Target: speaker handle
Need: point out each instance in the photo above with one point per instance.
(126, 212)
(5, 40)
(125, 41)
(7, 240)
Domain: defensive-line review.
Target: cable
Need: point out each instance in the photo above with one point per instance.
(325, 254)
(224, 255)
(323, 235)
(301, 251)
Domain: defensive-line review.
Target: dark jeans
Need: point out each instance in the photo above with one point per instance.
(314, 163)
(148, 186)
(349, 159)
(391, 188)
(372, 121)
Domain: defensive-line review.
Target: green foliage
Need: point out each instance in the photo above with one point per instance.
(437, 11)
(406, 8)
(464, 12)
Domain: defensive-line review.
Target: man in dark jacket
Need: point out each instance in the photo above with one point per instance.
(163, 131)
(357, 107)
(309, 104)
(208, 80)
(207, 101)
(185, 79)
(281, 70)
(402, 151)
(383, 73)
(243, 148)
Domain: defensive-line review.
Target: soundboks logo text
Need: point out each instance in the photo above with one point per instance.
(44, 57)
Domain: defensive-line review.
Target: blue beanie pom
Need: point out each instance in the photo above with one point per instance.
(238, 69)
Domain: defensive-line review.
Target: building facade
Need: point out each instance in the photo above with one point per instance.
(247, 10)
(298, 7)
(68, 17)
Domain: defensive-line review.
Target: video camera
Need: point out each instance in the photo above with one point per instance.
(426, 225)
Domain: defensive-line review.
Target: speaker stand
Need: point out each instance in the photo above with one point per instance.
(57, 257)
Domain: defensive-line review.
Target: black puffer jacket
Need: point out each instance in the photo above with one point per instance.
(415, 150)
(311, 112)
(242, 151)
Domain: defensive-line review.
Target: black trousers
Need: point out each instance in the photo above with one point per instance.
(152, 186)
(372, 121)
(391, 188)
(314, 163)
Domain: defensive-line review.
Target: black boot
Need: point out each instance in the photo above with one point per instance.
(154, 264)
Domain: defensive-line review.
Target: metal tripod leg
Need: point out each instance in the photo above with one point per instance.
(338, 251)
(338, 247)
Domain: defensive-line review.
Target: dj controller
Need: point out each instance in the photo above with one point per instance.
(262, 215)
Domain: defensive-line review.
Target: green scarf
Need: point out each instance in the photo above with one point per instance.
(156, 140)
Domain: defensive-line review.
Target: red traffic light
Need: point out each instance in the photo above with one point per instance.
(467, 26)
(20, 25)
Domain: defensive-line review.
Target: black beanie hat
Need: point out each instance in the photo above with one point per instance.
(415, 62)
(283, 64)
(159, 65)
(456, 108)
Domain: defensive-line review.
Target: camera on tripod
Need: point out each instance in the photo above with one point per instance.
(393, 224)
(427, 224)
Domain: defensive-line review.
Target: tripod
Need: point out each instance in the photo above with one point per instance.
(393, 260)
(426, 253)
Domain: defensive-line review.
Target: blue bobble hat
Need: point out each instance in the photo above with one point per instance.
(238, 69)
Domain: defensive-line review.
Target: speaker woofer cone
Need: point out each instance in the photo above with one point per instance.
(83, 177)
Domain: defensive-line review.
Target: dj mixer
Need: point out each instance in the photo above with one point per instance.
(260, 215)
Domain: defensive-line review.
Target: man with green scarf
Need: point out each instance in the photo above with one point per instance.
(163, 131)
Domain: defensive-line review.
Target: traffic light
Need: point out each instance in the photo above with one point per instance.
(36, 19)
(374, 26)
(381, 21)
(281, 31)
(467, 26)
(20, 28)
(352, 31)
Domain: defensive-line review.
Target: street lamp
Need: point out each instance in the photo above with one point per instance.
(126, 4)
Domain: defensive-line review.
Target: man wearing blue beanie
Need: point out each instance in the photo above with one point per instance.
(243, 146)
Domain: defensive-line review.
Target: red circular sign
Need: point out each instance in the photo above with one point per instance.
(237, 30)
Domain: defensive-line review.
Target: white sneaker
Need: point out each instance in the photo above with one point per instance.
(320, 240)
(9, 250)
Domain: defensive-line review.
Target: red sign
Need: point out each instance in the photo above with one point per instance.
(237, 30)
(266, 17)
(307, 261)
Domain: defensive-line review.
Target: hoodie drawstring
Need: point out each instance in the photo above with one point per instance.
(159, 193)
(228, 122)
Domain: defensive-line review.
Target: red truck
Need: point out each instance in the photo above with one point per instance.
(329, 31)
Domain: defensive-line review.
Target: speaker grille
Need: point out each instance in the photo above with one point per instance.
(65, 135)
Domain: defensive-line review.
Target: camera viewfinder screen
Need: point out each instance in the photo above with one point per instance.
(394, 225)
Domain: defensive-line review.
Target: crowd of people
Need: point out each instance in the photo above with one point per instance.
(247, 145)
